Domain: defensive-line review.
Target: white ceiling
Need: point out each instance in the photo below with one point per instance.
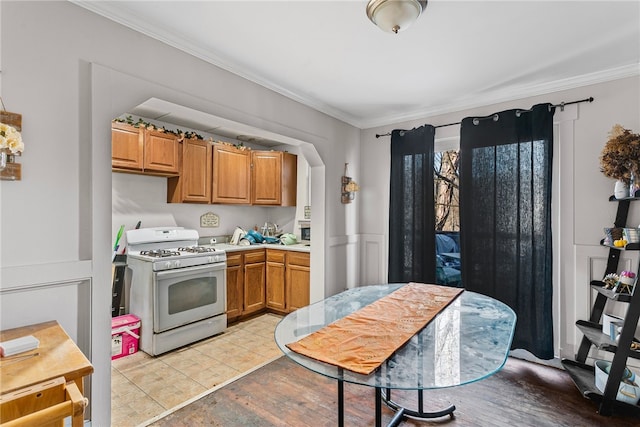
(459, 54)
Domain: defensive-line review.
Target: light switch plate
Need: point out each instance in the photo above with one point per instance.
(209, 220)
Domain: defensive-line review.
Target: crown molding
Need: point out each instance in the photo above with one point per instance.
(496, 97)
(169, 38)
(519, 92)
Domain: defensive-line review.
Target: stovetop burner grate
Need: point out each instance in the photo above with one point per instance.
(159, 253)
(197, 249)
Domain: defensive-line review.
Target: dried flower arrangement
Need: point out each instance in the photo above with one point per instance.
(621, 154)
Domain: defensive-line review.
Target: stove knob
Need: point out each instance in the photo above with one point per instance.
(211, 259)
(176, 264)
(166, 266)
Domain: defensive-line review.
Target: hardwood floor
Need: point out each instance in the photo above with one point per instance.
(285, 394)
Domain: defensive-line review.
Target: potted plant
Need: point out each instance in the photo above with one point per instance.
(620, 160)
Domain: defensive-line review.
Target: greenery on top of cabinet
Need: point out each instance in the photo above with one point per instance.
(140, 123)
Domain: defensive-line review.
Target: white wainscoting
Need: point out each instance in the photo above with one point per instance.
(64, 299)
(57, 291)
(343, 255)
(373, 254)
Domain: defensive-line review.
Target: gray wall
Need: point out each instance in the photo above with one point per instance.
(68, 72)
(580, 198)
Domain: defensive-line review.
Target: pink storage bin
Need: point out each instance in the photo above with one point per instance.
(125, 335)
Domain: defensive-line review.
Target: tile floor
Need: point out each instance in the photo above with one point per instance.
(143, 387)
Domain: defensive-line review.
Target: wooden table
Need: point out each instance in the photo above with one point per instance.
(56, 357)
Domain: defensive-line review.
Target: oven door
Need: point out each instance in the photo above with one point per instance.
(186, 295)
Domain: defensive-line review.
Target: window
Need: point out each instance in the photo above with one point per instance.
(446, 181)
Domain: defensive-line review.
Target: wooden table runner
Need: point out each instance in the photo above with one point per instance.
(363, 340)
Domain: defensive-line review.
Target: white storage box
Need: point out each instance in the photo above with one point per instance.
(628, 391)
(612, 325)
(18, 345)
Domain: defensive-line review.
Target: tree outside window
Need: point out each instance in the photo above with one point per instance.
(447, 217)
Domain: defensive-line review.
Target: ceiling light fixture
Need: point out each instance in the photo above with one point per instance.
(394, 16)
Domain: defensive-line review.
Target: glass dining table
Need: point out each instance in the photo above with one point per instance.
(467, 341)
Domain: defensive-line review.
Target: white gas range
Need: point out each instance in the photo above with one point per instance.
(178, 289)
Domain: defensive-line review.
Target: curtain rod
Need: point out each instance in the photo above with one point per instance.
(561, 105)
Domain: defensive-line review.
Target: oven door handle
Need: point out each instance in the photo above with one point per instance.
(189, 270)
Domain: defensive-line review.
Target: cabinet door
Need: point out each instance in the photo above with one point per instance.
(289, 179)
(231, 175)
(235, 286)
(126, 147)
(161, 152)
(196, 175)
(276, 280)
(266, 177)
(254, 287)
(298, 280)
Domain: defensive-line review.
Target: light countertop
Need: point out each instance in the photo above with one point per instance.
(299, 247)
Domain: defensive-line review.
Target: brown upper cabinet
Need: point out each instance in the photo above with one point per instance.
(231, 175)
(127, 145)
(273, 178)
(137, 150)
(194, 183)
(220, 173)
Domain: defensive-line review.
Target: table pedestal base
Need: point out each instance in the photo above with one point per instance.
(401, 412)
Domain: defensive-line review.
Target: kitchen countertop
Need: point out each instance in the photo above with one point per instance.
(299, 247)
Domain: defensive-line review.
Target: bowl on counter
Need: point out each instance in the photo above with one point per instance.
(288, 239)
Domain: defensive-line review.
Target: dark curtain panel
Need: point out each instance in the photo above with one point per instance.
(505, 218)
(412, 251)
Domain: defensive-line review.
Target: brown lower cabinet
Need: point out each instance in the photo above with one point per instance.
(276, 278)
(235, 285)
(254, 281)
(297, 281)
(245, 283)
(272, 279)
(288, 277)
